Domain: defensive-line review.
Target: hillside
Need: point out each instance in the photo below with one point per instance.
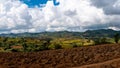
(114, 63)
(63, 58)
(100, 33)
(88, 33)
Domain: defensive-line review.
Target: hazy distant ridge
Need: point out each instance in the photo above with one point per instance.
(88, 33)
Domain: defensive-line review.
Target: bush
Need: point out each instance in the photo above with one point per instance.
(104, 40)
(101, 41)
(55, 46)
(74, 45)
(97, 41)
(58, 46)
(116, 38)
(43, 47)
(24, 46)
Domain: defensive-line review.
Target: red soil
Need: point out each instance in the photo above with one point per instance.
(115, 63)
(99, 55)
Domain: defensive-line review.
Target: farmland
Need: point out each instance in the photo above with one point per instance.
(40, 44)
(64, 50)
(33, 42)
(62, 58)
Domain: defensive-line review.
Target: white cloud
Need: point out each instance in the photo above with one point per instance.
(71, 15)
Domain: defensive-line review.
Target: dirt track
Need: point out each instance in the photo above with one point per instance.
(115, 63)
(64, 58)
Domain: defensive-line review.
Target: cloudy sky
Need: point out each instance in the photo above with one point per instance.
(18, 16)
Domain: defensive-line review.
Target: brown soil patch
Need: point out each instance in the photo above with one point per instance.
(63, 58)
(17, 47)
(115, 63)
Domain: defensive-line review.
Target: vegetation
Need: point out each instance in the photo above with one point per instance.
(116, 37)
(103, 40)
(56, 40)
(27, 44)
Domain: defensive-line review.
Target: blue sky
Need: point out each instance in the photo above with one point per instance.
(39, 3)
(58, 15)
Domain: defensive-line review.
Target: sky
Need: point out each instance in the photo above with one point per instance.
(18, 16)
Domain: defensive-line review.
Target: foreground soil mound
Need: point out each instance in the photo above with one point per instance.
(63, 58)
(115, 63)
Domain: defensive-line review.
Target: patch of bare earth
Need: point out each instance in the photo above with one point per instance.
(115, 63)
(64, 58)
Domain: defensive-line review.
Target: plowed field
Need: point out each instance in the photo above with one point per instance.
(64, 58)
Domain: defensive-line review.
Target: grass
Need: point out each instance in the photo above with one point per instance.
(69, 43)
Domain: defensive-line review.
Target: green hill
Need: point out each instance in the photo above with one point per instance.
(88, 33)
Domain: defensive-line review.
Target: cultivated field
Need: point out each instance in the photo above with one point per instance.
(88, 57)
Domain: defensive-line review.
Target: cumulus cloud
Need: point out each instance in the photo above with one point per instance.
(71, 15)
(110, 7)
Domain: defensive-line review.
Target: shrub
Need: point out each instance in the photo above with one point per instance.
(24, 46)
(74, 45)
(116, 38)
(58, 46)
(101, 41)
(97, 41)
(55, 46)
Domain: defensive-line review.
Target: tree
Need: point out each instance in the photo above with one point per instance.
(116, 38)
(24, 46)
(5, 39)
(46, 43)
(104, 40)
(58, 46)
(97, 41)
(74, 45)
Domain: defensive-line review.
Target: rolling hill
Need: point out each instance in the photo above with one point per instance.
(88, 33)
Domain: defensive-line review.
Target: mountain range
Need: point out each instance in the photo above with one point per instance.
(88, 33)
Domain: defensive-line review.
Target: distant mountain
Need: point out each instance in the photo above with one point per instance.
(88, 33)
(100, 33)
(44, 34)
